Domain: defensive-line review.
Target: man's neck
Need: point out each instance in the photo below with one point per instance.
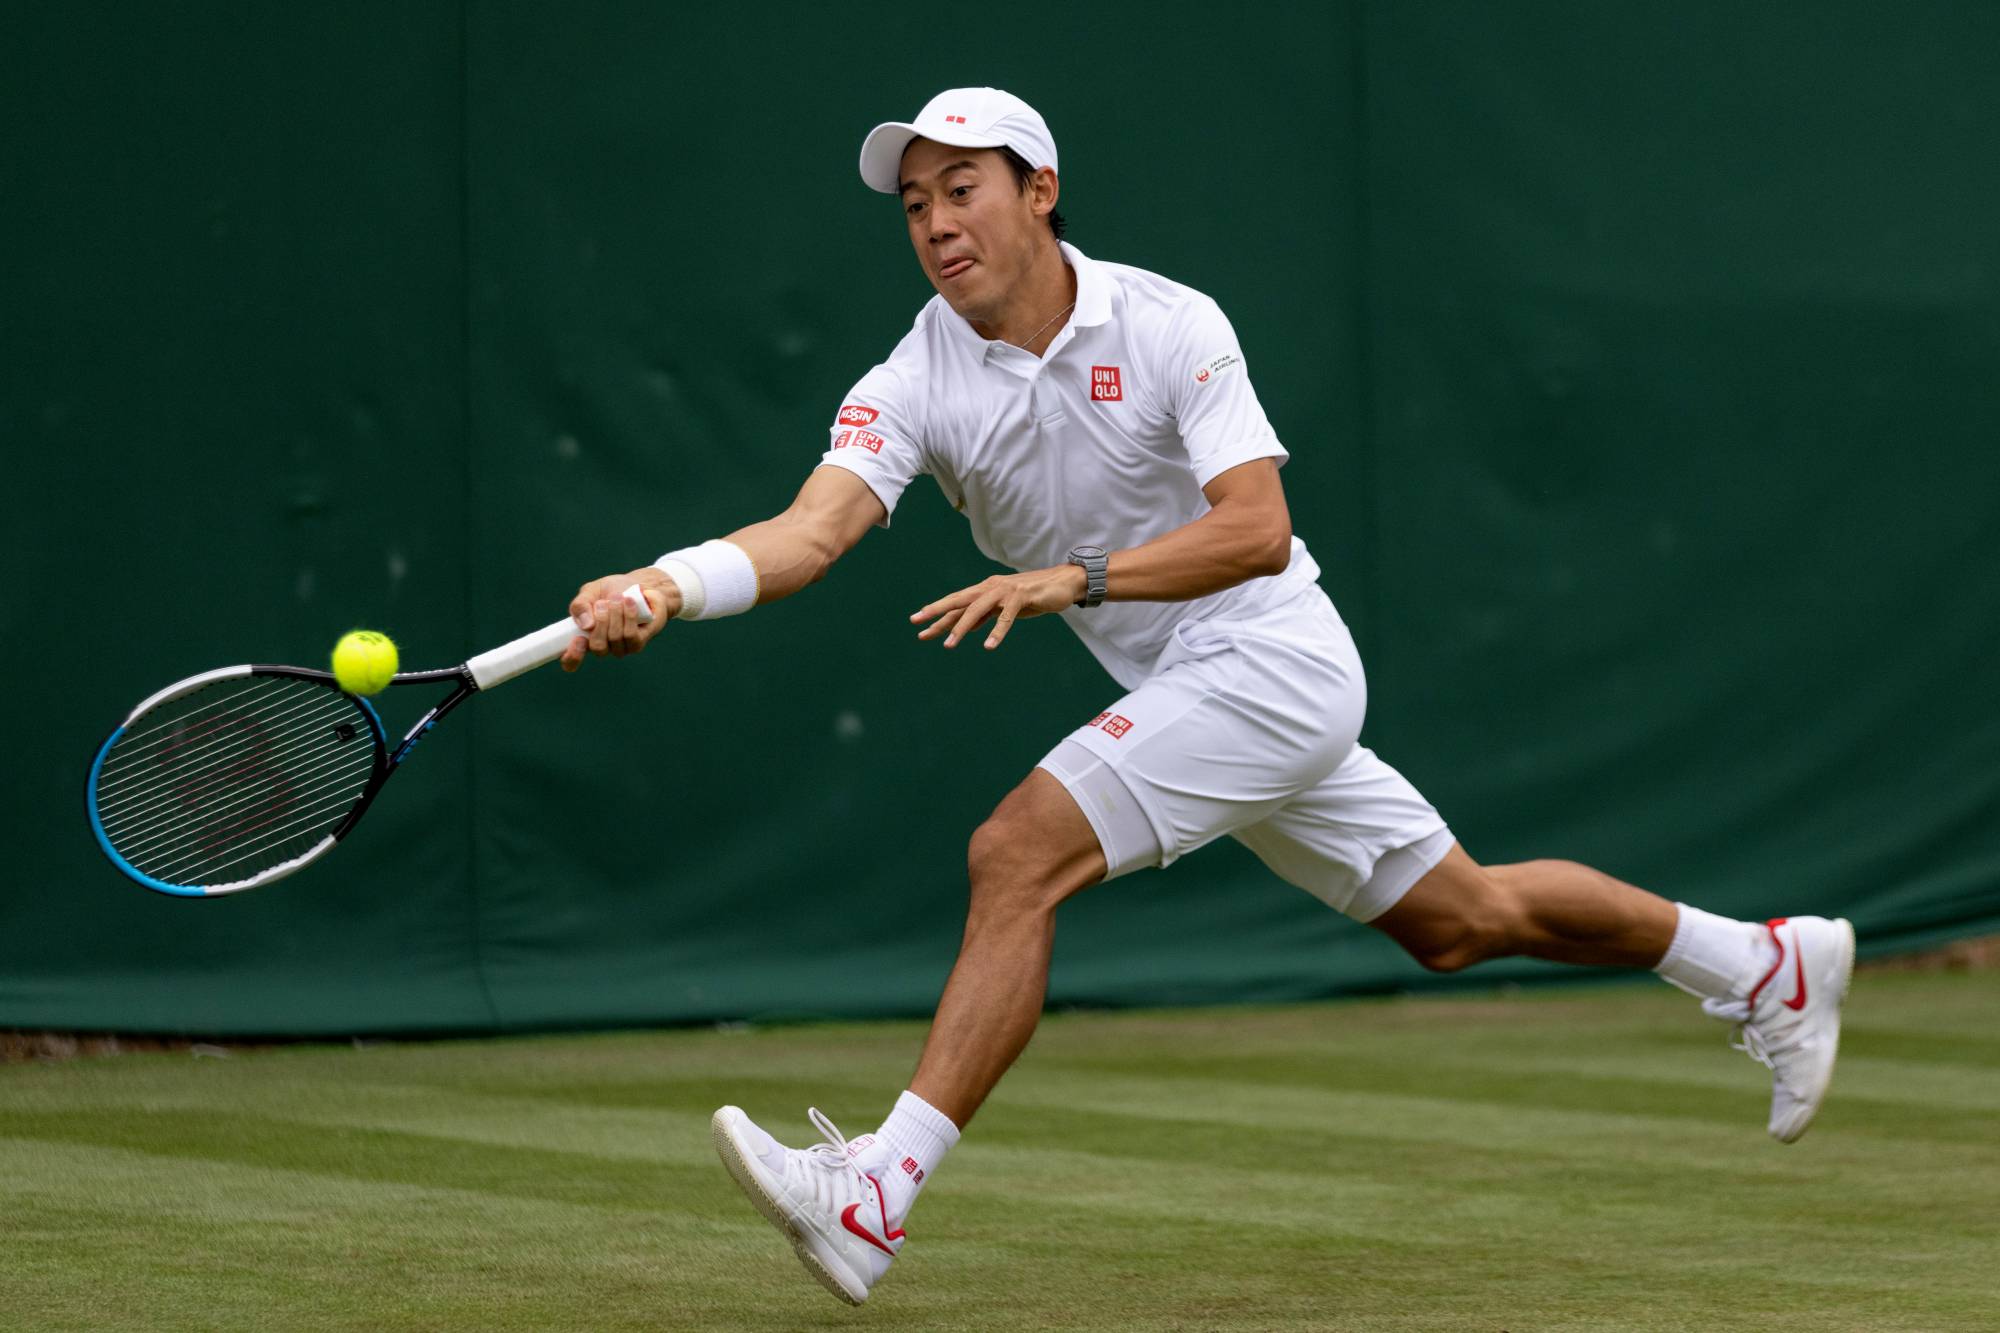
(1032, 320)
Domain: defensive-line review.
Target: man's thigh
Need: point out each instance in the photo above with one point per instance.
(1357, 840)
(1228, 734)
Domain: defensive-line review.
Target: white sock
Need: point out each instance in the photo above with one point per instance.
(1715, 957)
(917, 1135)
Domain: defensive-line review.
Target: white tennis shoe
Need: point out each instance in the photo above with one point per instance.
(1790, 1022)
(827, 1198)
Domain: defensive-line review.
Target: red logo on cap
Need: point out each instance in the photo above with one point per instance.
(955, 120)
(855, 415)
(1104, 386)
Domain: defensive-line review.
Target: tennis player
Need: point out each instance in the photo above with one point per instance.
(1096, 426)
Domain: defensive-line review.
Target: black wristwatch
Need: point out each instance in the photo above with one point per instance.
(1094, 561)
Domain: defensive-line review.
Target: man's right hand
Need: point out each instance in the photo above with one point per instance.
(606, 625)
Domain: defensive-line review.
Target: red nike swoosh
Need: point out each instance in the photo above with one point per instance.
(847, 1220)
(1799, 961)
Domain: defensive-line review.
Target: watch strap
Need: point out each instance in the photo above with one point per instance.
(1095, 561)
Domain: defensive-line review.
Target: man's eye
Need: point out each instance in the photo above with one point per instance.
(913, 209)
(958, 190)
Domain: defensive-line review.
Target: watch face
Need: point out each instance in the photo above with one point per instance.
(1087, 553)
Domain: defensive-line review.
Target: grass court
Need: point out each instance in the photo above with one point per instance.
(1580, 1158)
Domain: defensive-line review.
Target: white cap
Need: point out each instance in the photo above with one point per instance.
(963, 118)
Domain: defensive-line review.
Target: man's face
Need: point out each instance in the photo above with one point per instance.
(974, 230)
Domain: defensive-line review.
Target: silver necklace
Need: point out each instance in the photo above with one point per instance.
(1023, 344)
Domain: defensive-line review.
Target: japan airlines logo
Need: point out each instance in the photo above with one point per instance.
(859, 439)
(1209, 369)
(1104, 385)
(855, 415)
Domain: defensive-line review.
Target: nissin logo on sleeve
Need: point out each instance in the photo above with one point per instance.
(855, 415)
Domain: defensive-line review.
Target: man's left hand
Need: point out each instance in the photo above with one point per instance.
(1003, 599)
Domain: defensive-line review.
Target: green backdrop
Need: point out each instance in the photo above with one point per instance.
(1638, 364)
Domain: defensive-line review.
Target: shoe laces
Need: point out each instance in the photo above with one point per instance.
(835, 1176)
(1745, 1038)
(833, 1152)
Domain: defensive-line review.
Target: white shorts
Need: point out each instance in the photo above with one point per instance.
(1250, 728)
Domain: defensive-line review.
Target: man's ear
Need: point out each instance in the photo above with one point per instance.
(1043, 191)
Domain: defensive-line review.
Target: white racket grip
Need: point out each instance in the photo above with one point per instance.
(545, 645)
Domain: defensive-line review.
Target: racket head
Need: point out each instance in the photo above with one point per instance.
(233, 778)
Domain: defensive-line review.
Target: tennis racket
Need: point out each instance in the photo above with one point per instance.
(243, 775)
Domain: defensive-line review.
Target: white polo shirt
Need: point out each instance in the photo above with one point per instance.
(1106, 440)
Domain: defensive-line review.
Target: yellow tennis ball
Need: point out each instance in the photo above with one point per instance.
(363, 661)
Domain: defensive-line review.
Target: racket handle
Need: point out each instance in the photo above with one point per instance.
(540, 648)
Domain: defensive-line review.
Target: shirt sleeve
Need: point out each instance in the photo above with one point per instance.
(1208, 393)
(875, 435)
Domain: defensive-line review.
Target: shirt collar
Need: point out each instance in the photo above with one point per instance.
(1093, 302)
(1093, 289)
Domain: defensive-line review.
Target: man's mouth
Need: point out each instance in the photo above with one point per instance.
(951, 268)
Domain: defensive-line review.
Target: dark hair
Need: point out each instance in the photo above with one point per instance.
(1022, 174)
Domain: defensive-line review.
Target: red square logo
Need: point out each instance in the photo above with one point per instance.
(1104, 386)
(1117, 726)
(859, 439)
(1098, 721)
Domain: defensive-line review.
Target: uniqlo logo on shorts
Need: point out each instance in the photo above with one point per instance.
(856, 415)
(859, 439)
(1104, 386)
(1114, 724)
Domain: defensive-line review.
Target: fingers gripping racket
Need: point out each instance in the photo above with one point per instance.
(240, 776)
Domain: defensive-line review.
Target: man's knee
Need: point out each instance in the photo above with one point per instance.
(1032, 852)
(1459, 914)
(1000, 854)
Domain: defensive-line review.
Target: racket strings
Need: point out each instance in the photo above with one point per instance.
(169, 838)
(239, 776)
(221, 696)
(127, 808)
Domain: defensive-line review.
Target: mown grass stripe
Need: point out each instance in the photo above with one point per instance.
(1563, 1161)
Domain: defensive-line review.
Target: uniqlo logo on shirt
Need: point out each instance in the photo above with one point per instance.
(859, 439)
(1104, 386)
(856, 415)
(1115, 725)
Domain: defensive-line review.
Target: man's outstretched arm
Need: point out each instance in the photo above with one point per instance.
(832, 512)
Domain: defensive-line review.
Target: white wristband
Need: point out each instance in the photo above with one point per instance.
(694, 593)
(716, 579)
